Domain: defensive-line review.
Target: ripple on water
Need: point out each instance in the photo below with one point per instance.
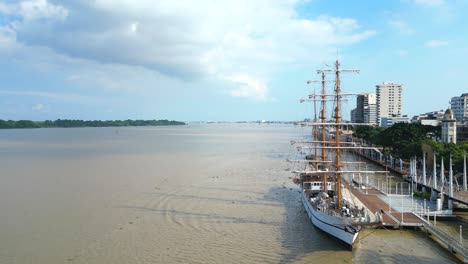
(221, 196)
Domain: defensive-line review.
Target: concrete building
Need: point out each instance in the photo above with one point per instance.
(360, 109)
(462, 132)
(459, 106)
(370, 108)
(449, 127)
(433, 118)
(366, 109)
(390, 121)
(353, 116)
(429, 122)
(388, 100)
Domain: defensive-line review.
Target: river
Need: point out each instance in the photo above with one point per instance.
(209, 193)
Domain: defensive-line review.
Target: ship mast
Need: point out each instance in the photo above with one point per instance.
(337, 117)
(315, 133)
(315, 128)
(338, 123)
(337, 132)
(323, 118)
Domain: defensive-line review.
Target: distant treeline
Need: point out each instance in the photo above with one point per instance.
(84, 123)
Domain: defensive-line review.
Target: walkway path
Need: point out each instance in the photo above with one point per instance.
(373, 203)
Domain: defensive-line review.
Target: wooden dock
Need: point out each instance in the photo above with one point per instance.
(395, 219)
(460, 196)
(391, 216)
(371, 199)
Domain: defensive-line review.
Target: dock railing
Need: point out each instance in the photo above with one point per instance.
(448, 241)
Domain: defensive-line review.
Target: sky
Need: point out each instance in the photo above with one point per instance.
(222, 60)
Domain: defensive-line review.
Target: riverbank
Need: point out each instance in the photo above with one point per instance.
(65, 123)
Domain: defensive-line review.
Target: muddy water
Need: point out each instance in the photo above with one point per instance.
(192, 194)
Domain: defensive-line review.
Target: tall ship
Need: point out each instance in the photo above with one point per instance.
(324, 161)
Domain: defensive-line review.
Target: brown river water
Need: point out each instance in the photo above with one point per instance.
(211, 193)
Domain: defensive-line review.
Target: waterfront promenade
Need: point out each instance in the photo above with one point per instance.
(400, 209)
(402, 168)
(406, 212)
(373, 199)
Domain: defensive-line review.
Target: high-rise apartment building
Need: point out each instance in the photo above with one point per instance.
(370, 108)
(353, 116)
(366, 109)
(459, 106)
(388, 100)
(359, 110)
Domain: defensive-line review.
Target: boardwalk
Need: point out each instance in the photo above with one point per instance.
(391, 216)
(404, 211)
(373, 200)
(459, 196)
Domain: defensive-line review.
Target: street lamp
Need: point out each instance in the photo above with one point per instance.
(389, 194)
(360, 181)
(367, 183)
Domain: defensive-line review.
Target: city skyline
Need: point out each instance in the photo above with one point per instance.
(228, 61)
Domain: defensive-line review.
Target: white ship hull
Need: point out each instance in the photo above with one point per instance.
(338, 227)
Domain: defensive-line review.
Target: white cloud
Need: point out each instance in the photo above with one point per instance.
(34, 9)
(403, 53)
(401, 26)
(5, 8)
(435, 43)
(430, 2)
(39, 9)
(62, 97)
(33, 15)
(7, 36)
(38, 107)
(134, 27)
(248, 87)
(183, 39)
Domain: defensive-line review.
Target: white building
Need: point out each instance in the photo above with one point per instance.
(390, 121)
(388, 100)
(430, 118)
(429, 122)
(459, 106)
(449, 127)
(370, 109)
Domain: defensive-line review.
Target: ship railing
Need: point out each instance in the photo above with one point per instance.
(328, 211)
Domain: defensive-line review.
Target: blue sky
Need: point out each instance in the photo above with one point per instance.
(221, 60)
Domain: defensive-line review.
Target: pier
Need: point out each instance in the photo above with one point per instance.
(450, 190)
(400, 209)
(392, 217)
(453, 245)
(404, 212)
